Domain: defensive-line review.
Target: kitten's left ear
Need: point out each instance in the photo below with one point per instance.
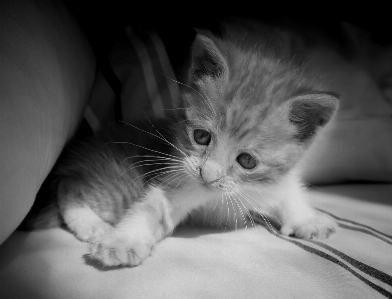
(207, 59)
(310, 112)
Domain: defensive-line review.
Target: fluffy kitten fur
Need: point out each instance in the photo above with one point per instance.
(247, 117)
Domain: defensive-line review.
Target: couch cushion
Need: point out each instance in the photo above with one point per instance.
(47, 70)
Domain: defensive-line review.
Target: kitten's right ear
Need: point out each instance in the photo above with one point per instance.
(207, 60)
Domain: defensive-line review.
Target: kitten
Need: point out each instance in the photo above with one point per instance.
(246, 119)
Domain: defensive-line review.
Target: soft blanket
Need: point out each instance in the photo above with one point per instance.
(204, 263)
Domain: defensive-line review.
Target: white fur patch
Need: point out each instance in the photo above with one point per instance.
(84, 222)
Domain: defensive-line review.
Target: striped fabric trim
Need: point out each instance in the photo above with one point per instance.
(147, 82)
(148, 72)
(362, 230)
(382, 276)
(353, 266)
(92, 119)
(336, 261)
(115, 84)
(356, 223)
(167, 69)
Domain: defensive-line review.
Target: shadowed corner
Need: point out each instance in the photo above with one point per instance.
(13, 248)
(190, 231)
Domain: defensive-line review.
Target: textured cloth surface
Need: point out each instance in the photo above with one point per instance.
(356, 262)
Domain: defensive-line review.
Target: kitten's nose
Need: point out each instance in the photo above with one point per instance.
(210, 171)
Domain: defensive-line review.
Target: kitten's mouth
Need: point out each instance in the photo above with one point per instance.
(218, 185)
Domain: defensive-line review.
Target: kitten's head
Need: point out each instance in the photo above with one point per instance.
(249, 117)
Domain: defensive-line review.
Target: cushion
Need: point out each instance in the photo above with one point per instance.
(357, 144)
(47, 70)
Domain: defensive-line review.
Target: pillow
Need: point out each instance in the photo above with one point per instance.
(47, 70)
(356, 145)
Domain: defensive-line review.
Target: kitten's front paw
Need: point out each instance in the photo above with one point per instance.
(88, 231)
(319, 226)
(121, 248)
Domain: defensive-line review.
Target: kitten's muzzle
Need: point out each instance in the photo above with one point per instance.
(211, 173)
(208, 179)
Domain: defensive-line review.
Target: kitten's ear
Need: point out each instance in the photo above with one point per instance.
(207, 60)
(310, 112)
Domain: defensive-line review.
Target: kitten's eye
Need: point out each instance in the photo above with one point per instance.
(202, 137)
(246, 161)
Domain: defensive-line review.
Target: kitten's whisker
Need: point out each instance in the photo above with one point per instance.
(186, 155)
(247, 198)
(186, 85)
(235, 213)
(151, 156)
(213, 208)
(151, 172)
(134, 165)
(163, 138)
(165, 173)
(153, 175)
(228, 211)
(220, 211)
(240, 209)
(130, 143)
(186, 176)
(142, 130)
(246, 210)
(160, 137)
(173, 177)
(266, 206)
(161, 174)
(164, 162)
(179, 176)
(256, 203)
(203, 96)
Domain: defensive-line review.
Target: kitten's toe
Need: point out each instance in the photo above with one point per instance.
(319, 226)
(84, 233)
(88, 232)
(287, 230)
(121, 249)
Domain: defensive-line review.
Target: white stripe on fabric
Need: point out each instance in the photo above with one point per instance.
(148, 71)
(92, 119)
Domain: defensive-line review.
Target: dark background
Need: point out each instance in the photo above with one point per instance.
(103, 21)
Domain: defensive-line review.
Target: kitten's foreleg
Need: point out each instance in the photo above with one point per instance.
(140, 229)
(77, 214)
(299, 219)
